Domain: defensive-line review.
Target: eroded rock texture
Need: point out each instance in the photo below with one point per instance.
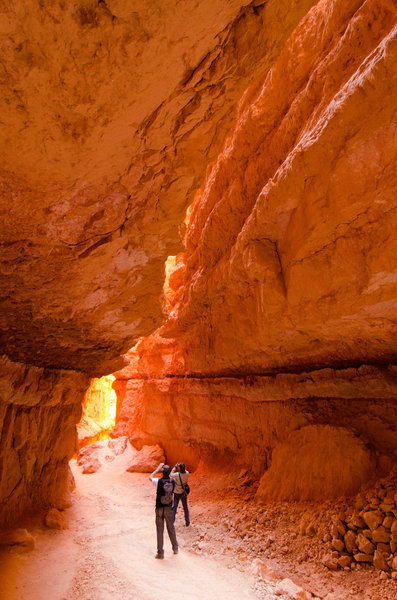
(291, 246)
(110, 115)
(39, 409)
(111, 112)
(237, 423)
(290, 267)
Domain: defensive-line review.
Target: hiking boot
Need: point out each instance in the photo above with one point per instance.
(175, 550)
(159, 555)
(187, 524)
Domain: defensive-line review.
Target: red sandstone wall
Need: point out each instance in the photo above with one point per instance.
(111, 113)
(290, 265)
(236, 423)
(291, 253)
(39, 409)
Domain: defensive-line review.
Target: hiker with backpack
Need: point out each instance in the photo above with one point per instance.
(164, 498)
(181, 476)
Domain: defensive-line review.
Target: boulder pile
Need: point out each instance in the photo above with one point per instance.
(366, 535)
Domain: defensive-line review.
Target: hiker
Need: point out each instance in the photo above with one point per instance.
(181, 476)
(164, 496)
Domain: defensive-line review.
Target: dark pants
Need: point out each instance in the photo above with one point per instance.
(165, 514)
(182, 497)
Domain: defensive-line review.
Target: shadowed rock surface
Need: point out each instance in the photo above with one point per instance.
(278, 350)
(280, 300)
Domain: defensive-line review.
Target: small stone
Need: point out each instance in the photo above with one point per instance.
(380, 535)
(311, 530)
(365, 545)
(92, 465)
(367, 533)
(350, 541)
(327, 538)
(394, 564)
(388, 521)
(383, 575)
(373, 518)
(146, 460)
(387, 508)
(334, 531)
(344, 561)
(288, 588)
(389, 498)
(260, 569)
(393, 530)
(339, 526)
(361, 557)
(383, 547)
(394, 575)
(356, 521)
(330, 562)
(380, 562)
(360, 502)
(54, 519)
(337, 545)
(118, 445)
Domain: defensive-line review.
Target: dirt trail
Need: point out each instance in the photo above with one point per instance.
(108, 552)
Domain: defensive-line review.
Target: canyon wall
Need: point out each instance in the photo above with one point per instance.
(281, 331)
(111, 112)
(39, 409)
(111, 116)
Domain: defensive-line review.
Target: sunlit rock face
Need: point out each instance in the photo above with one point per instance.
(99, 411)
(39, 409)
(235, 423)
(291, 255)
(111, 112)
(282, 309)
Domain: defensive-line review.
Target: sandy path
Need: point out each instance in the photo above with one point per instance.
(108, 552)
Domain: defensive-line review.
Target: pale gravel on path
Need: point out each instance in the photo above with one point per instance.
(108, 552)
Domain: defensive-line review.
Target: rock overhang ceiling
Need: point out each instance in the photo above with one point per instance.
(110, 115)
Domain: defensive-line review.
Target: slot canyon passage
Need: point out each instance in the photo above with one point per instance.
(198, 201)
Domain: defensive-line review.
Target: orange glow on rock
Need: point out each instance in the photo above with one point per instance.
(99, 411)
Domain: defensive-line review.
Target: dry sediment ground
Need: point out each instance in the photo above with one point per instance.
(233, 549)
(280, 540)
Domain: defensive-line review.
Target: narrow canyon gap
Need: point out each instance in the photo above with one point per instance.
(200, 198)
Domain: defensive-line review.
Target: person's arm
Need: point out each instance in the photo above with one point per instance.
(174, 471)
(152, 477)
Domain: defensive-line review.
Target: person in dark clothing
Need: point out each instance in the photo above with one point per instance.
(181, 476)
(164, 498)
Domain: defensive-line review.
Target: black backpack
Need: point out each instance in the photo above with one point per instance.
(165, 492)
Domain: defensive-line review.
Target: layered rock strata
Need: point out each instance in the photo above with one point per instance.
(347, 421)
(39, 409)
(111, 114)
(280, 337)
(291, 254)
(290, 261)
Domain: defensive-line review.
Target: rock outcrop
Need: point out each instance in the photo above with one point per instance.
(291, 246)
(281, 311)
(39, 409)
(111, 114)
